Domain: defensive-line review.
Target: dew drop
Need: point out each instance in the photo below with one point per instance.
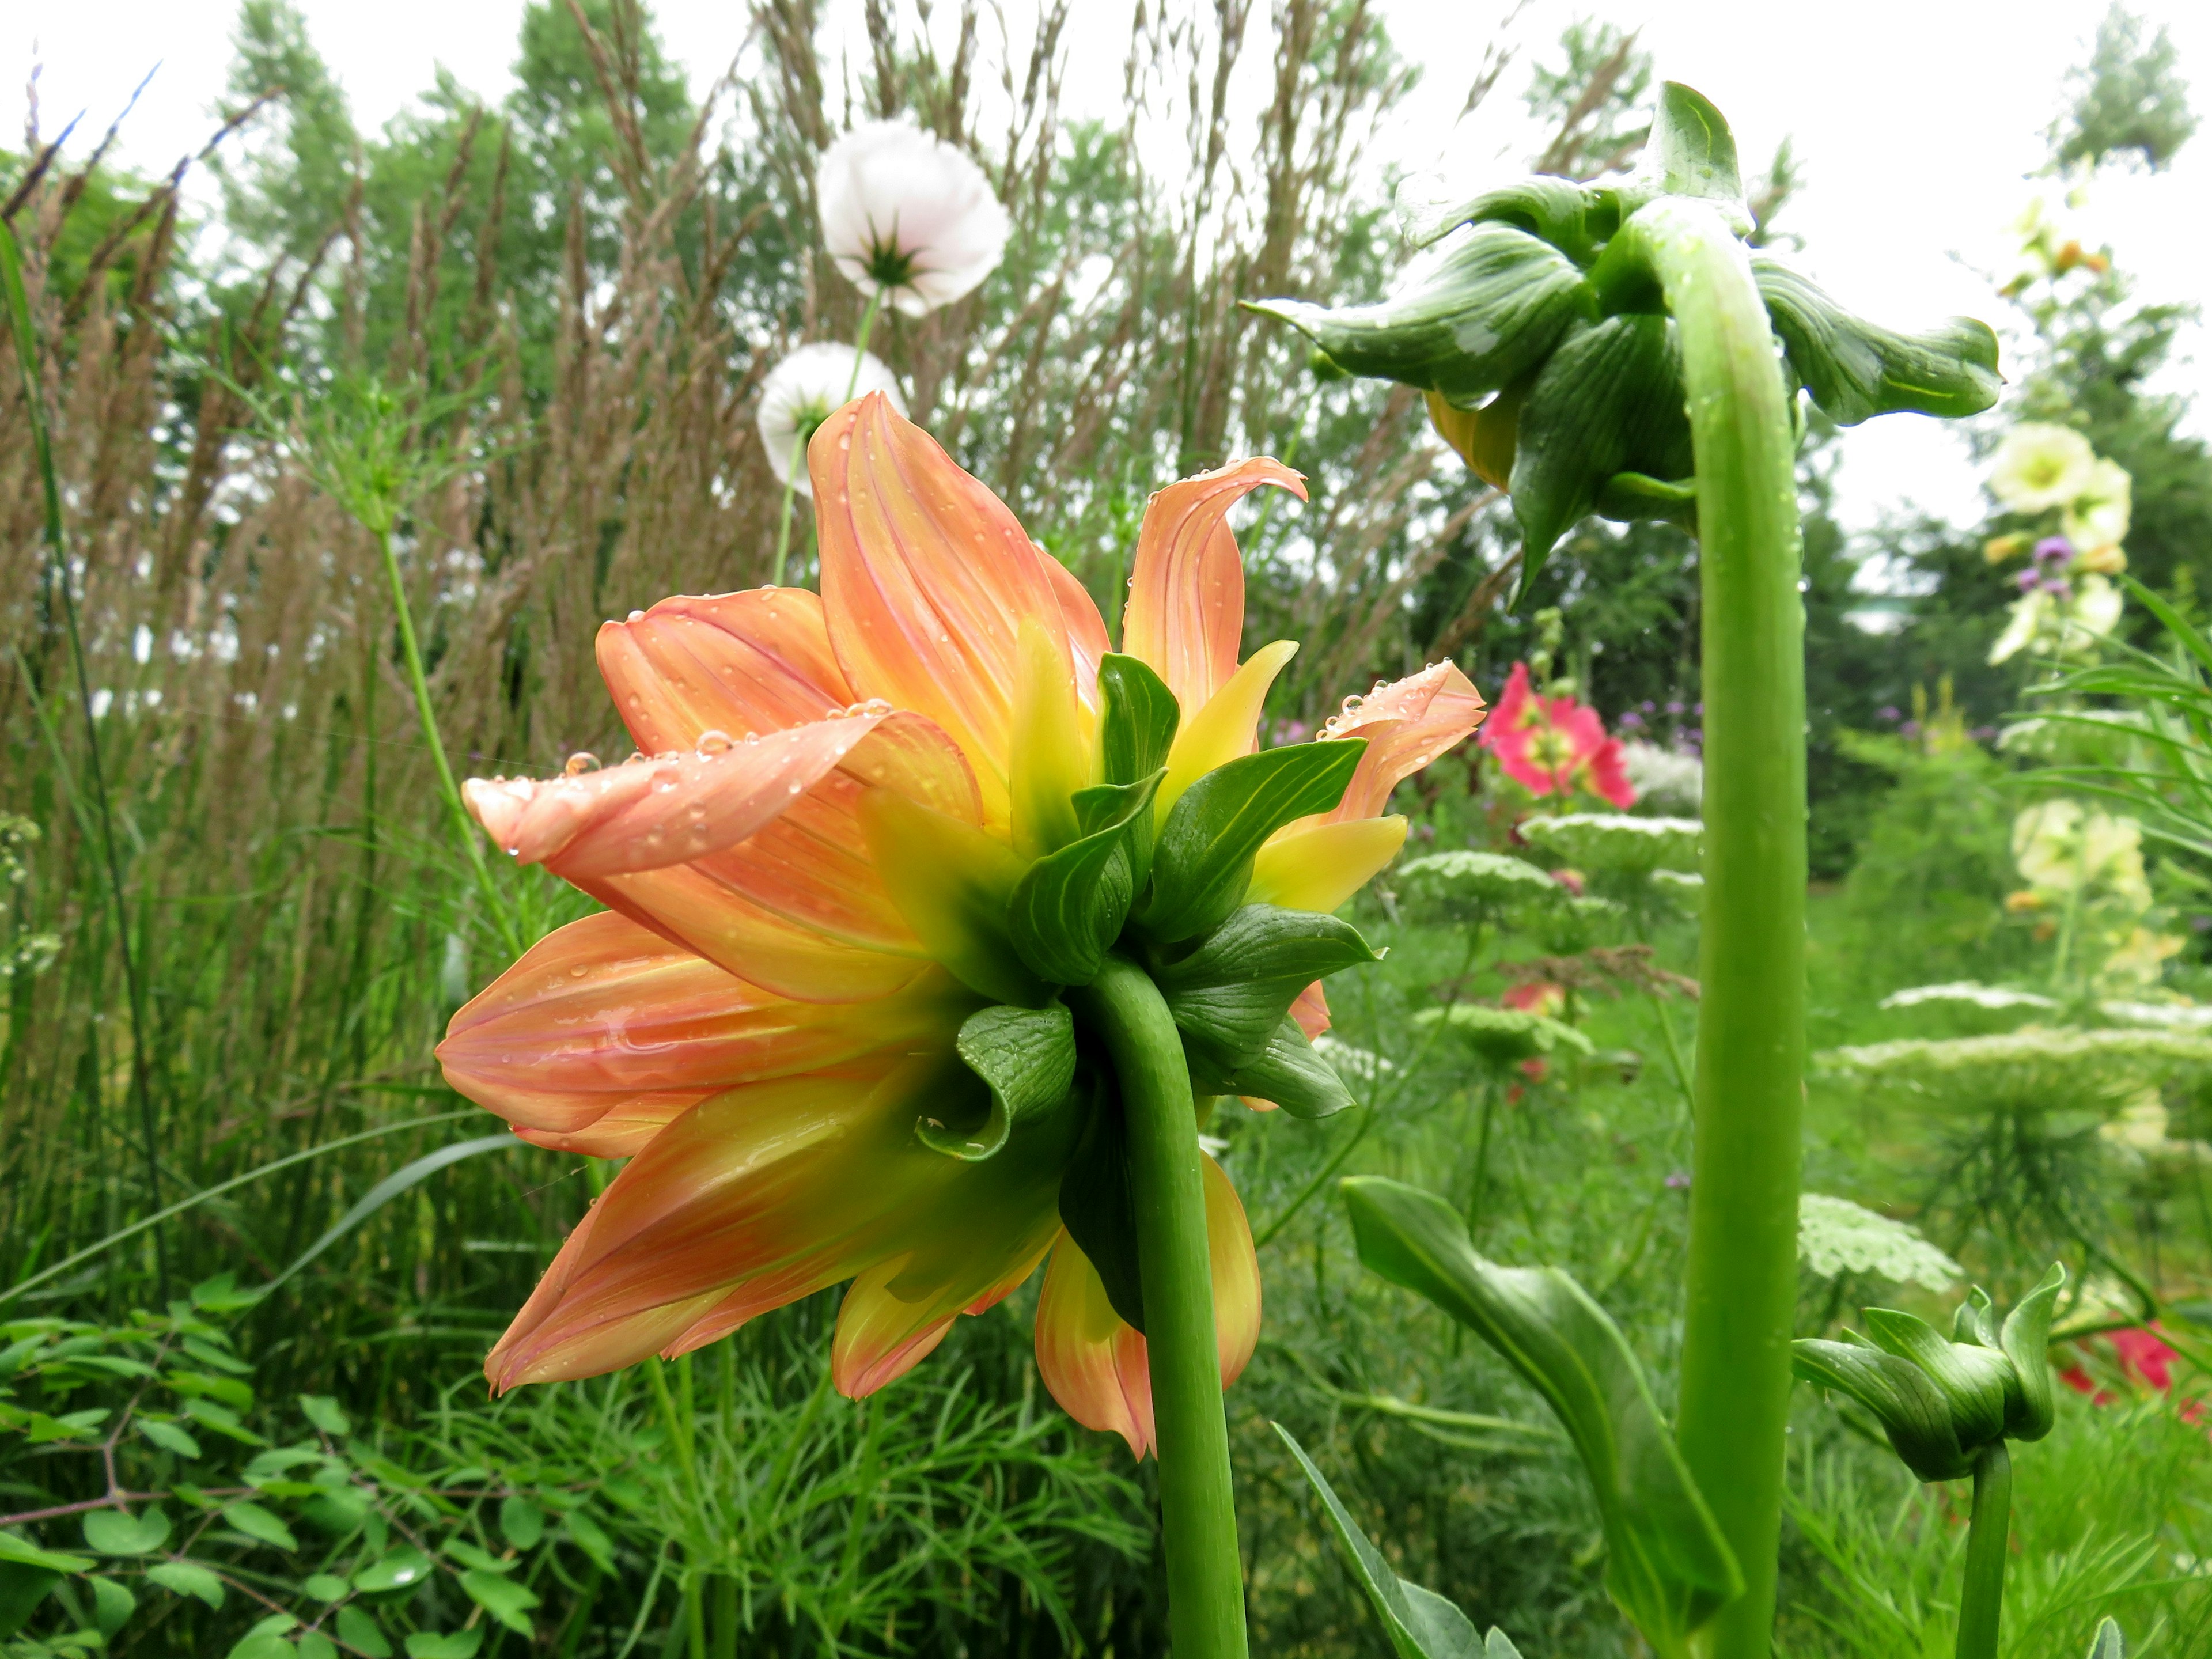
(715, 741)
(581, 762)
(637, 616)
(1352, 705)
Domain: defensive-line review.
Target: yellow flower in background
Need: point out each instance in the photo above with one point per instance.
(2061, 847)
(2039, 467)
(2096, 520)
(2140, 959)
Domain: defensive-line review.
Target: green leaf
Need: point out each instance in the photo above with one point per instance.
(2108, 1644)
(325, 1587)
(521, 1523)
(1911, 1411)
(1097, 1206)
(261, 1526)
(589, 1537)
(1608, 401)
(313, 1644)
(1069, 906)
(20, 1551)
(261, 1646)
(1419, 1623)
(170, 1437)
(114, 1532)
(1855, 370)
(1292, 1075)
(1970, 1379)
(187, 1578)
(1228, 996)
(222, 1420)
(1574, 218)
(1204, 862)
(23, 1587)
(1667, 1566)
(454, 1644)
(1137, 720)
(396, 1571)
(221, 1295)
(502, 1598)
(2026, 1341)
(357, 1628)
(1482, 311)
(323, 1412)
(1026, 1056)
(469, 1553)
(113, 1604)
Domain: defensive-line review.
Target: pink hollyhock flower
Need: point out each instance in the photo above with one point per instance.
(1536, 996)
(1554, 745)
(806, 885)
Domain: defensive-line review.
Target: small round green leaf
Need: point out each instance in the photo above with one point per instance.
(114, 1532)
(188, 1578)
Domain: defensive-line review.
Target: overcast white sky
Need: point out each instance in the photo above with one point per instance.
(1916, 122)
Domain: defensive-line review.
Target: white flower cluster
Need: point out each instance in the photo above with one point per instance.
(1835, 1236)
(1663, 777)
(1618, 840)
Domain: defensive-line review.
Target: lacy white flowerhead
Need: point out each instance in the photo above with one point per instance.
(905, 214)
(2039, 467)
(806, 389)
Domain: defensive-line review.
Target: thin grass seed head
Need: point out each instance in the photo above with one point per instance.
(871, 838)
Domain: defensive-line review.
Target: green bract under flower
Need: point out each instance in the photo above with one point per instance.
(1536, 327)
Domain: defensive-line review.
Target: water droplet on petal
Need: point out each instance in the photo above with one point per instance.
(715, 741)
(579, 763)
(637, 616)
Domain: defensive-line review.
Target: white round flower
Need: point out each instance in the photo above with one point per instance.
(806, 389)
(2038, 465)
(2097, 519)
(906, 214)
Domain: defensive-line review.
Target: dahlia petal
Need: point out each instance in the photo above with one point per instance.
(900, 1310)
(603, 1017)
(926, 578)
(954, 884)
(1226, 726)
(1096, 1366)
(1054, 748)
(1086, 628)
(1312, 1011)
(1185, 612)
(1318, 866)
(878, 1340)
(756, 661)
(1408, 725)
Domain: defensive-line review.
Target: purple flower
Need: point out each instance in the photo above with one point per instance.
(1649, 707)
(2029, 580)
(1633, 719)
(2053, 549)
(1889, 711)
(1673, 708)
(1678, 1180)
(1984, 734)
(1910, 729)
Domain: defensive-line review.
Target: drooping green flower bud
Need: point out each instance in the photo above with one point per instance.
(1941, 1402)
(1538, 330)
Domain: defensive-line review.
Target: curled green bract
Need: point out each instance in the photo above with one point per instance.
(1942, 1402)
(1536, 325)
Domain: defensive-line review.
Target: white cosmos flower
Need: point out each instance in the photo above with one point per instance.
(906, 213)
(2038, 465)
(806, 389)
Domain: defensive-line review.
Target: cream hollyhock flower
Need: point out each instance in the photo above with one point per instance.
(2060, 848)
(2039, 467)
(2068, 618)
(2096, 520)
(907, 214)
(805, 390)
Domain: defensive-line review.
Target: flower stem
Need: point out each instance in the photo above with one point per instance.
(861, 345)
(1205, 1573)
(1742, 1270)
(463, 826)
(1981, 1598)
(783, 519)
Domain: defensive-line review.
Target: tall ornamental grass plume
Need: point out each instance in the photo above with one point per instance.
(948, 924)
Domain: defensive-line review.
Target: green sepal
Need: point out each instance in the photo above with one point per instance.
(1026, 1058)
(1484, 313)
(1203, 862)
(1608, 401)
(1419, 1623)
(1229, 997)
(1667, 1566)
(1691, 151)
(1137, 720)
(1972, 1320)
(2025, 1340)
(1970, 1379)
(1069, 906)
(1099, 1206)
(1288, 1071)
(1576, 219)
(1855, 370)
(1627, 497)
(1911, 1411)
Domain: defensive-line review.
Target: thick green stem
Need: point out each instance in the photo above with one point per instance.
(1206, 1576)
(1981, 1598)
(1743, 1270)
(463, 826)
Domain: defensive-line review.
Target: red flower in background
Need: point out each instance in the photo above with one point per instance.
(2144, 1357)
(1554, 745)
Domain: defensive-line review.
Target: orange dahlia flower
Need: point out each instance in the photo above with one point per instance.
(811, 1016)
